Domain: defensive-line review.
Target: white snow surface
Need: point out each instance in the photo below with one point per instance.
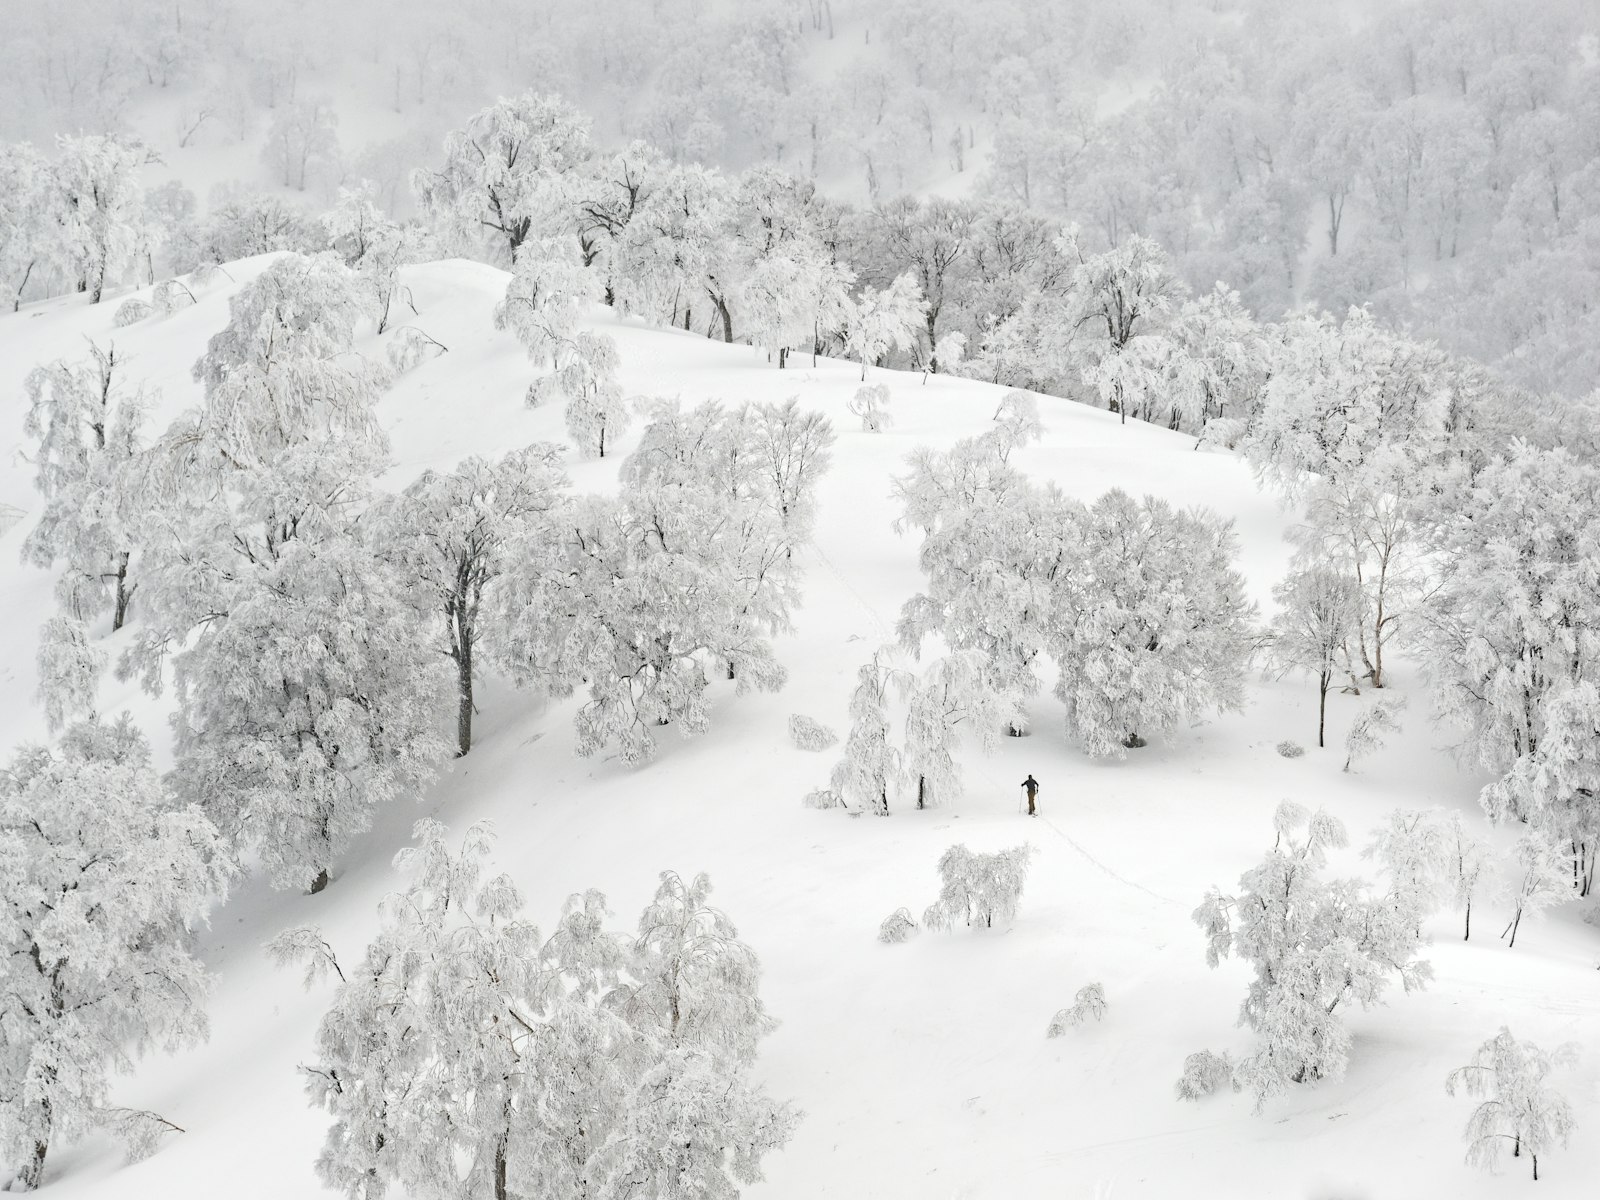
(923, 1068)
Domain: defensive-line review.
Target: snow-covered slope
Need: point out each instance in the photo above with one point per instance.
(923, 1069)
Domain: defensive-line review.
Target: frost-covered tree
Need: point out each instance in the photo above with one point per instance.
(1543, 879)
(549, 293)
(466, 1052)
(25, 246)
(374, 247)
(1315, 944)
(1017, 418)
(302, 138)
(871, 404)
(87, 421)
(897, 927)
(1414, 849)
(678, 255)
(1511, 635)
(869, 761)
(70, 666)
(877, 322)
(310, 692)
(951, 695)
(1371, 728)
(1467, 860)
(104, 879)
(1119, 294)
(1150, 625)
(652, 589)
(100, 204)
(794, 448)
(596, 411)
(451, 536)
(1520, 1107)
(1318, 610)
(978, 889)
(512, 173)
(283, 372)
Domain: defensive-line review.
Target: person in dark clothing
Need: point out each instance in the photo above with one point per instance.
(1031, 786)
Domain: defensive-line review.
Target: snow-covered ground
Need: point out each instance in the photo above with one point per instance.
(923, 1069)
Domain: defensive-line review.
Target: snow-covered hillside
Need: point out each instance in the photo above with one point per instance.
(923, 1069)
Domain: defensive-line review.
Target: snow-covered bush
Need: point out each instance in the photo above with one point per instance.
(1205, 1073)
(1521, 1112)
(809, 734)
(130, 312)
(170, 295)
(871, 404)
(1089, 1002)
(1315, 944)
(979, 889)
(822, 798)
(628, 1071)
(103, 880)
(897, 927)
(1543, 878)
(411, 347)
(1370, 730)
(1290, 749)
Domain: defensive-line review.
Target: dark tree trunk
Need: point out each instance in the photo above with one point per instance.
(124, 596)
(922, 790)
(33, 1170)
(463, 659)
(1322, 709)
(320, 882)
(727, 319)
(1467, 936)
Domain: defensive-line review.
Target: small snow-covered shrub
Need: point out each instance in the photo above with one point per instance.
(871, 404)
(1288, 749)
(411, 348)
(1089, 1002)
(131, 312)
(823, 798)
(808, 734)
(1205, 1073)
(979, 889)
(897, 927)
(170, 295)
(1371, 729)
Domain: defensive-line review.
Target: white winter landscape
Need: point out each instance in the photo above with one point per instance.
(795, 598)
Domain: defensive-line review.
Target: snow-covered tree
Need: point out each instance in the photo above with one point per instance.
(1017, 418)
(310, 692)
(1150, 625)
(451, 536)
(869, 761)
(466, 1052)
(678, 256)
(794, 448)
(653, 588)
(1120, 294)
(951, 695)
(100, 205)
(1318, 610)
(1521, 1108)
(25, 195)
(979, 889)
(1089, 1002)
(897, 927)
(871, 404)
(103, 882)
(1205, 1073)
(549, 293)
(373, 246)
(1467, 860)
(283, 372)
(1315, 944)
(1414, 849)
(513, 171)
(877, 322)
(87, 421)
(70, 666)
(1543, 879)
(1512, 638)
(302, 138)
(1371, 728)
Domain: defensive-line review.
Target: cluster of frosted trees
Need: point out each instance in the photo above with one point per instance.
(320, 637)
(468, 1052)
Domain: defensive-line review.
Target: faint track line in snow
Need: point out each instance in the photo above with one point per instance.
(1122, 879)
(886, 631)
